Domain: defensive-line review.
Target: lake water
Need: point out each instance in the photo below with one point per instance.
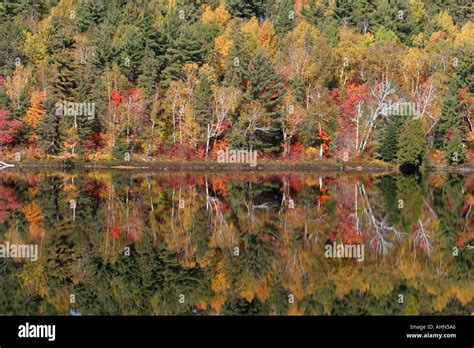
(138, 243)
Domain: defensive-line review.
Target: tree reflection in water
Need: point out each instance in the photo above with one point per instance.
(239, 244)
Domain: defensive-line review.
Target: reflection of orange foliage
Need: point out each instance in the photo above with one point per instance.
(299, 4)
(219, 283)
(220, 186)
(323, 198)
(202, 305)
(470, 136)
(263, 290)
(115, 233)
(460, 241)
(436, 157)
(310, 182)
(436, 181)
(34, 218)
(294, 310)
(470, 199)
(217, 302)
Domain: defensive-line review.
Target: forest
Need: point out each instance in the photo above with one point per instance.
(387, 81)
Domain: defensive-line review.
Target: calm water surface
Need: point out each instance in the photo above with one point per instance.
(134, 243)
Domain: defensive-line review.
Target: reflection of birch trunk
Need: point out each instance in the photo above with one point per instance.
(172, 213)
(466, 218)
(109, 213)
(251, 208)
(207, 194)
(151, 194)
(294, 265)
(356, 216)
(218, 220)
(422, 238)
(127, 216)
(286, 197)
(381, 230)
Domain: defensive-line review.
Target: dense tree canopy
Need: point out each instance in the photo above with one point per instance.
(301, 79)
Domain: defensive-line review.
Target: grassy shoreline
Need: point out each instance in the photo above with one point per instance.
(198, 166)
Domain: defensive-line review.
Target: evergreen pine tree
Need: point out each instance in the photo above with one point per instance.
(64, 80)
(103, 49)
(267, 87)
(454, 150)
(148, 75)
(86, 93)
(395, 16)
(5, 102)
(451, 117)
(48, 130)
(202, 102)
(61, 44)
(130, 51)
(236, 72)
(412, 145)
(89, 13)
(286, 16)
(323, 16)
(248, 8)
(390, 142)
(186, 48)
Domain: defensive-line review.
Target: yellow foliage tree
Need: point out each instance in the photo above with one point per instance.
(222, 46)
(267, 36)
(466, 34)
(35, 113)
(219, 15)
(34, 218)
(18, 83)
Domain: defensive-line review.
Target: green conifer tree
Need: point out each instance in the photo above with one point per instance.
(389, 147)
(451, 118)
(455, 152)
(48, 130)
(412, 145)
(248, 8)
(202, 102)
(267, 87)
(286, 16)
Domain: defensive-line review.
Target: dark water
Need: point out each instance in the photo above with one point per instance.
(123, 243)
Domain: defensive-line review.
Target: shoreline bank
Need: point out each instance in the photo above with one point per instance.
(194, 166)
